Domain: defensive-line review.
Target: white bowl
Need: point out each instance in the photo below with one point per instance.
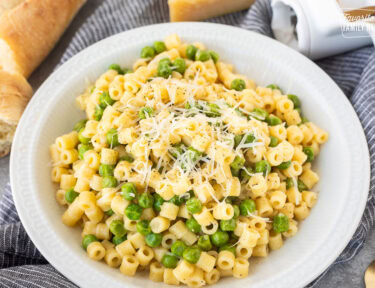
(343, 164)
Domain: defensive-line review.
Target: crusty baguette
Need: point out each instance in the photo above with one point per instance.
(15, 92)
(8, 4)
(29, 31)
(194, 10)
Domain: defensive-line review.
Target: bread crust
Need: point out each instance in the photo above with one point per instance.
(32, 28)
(15, 93)
(8, 4)
(29, 29)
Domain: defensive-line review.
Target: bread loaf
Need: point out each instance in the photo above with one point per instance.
(29, 29)
(15, 92)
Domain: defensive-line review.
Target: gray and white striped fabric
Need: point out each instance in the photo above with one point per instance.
(21, 264)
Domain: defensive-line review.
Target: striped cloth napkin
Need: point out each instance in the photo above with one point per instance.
(22, 265)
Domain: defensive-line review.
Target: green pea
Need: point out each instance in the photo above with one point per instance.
(164, 68)
(194, 153)
(191, 194)
(143, 227)
(129, 191)
(133, 211)
(191, 50)
(193, 205)
(274, 141)
(112, 138)
(193, 225)
(159, 46)
(213, 110)
(158, 201)
(238, 84)
(153, 240)
(228, 225)
(165, 61)
(236, 211)
(127, 70)
(202, 55)
(284, 165)
(109, 182)
(309, 153)
(236, 165)
(109, 212)
(237, 140)
(176, 150)
(250, 138)
(83, 139)
(214, 56)
(192, 254)
(204, 243)
(147, 52)
(246, 174)
(106, 170)
(235, 172)
(117, 68)
(169, 261)
(177, 200)
(280, 223)
(88, 239)
(262, 167)
(145, 112)
(259, 114)
(228, 247)
(301, 186)
(188, 105)
(179, 65)
(82, 149)
(289, 183)
(219, 238)
(295, 100)
(118, 240)
(70, 195)
(98, 113)
(79, 125)
(146, 200)
(105, 100)
(127, 157)
(247, 207)
(274, 86)
(117, 228)
(178, 248)
(273, 120)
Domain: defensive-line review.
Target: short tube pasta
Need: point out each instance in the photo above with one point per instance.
(185, 168)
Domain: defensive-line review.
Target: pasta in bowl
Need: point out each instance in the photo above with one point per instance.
(184, 168)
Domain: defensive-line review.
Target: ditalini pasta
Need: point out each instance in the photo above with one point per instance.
(185, 168)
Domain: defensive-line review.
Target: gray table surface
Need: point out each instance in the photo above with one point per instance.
(347, 275)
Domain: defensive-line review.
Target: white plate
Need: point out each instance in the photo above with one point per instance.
(343, 163)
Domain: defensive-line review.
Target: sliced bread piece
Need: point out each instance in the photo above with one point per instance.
(29, 31)
(15, 93)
